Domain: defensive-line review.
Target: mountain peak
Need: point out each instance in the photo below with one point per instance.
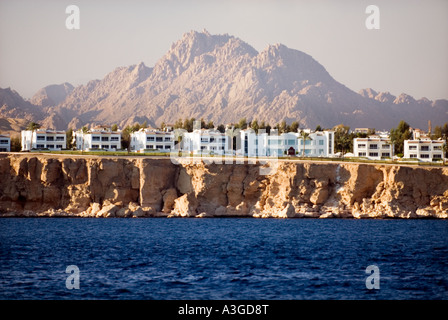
(52, 95)
(222, 78)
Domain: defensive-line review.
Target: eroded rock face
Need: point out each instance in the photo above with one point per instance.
(46, 185)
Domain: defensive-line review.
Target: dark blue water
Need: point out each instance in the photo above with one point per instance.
(223, 258)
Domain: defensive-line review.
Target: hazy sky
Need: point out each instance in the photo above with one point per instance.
(408, 54)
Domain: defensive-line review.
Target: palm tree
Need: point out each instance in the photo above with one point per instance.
(305, 136)
(33, 126)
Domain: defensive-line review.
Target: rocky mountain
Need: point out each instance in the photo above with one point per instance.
(52, 95)
(222, 78)
(12, 105)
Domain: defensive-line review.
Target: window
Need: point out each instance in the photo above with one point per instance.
(413, 155)
(361, 146)
(424, 156)
(150, 146)
(204, 139)
(40, 146)
(437, 156)
(321, 151)
(362, 154)
(159, 146)
(60, 138)
(4, 141)
(168, 139)
(104, 138)
(159, 139)
(424, 148)
(50, 146)
(373, 154)
(59, 146)
(105, 146)
(385, 154)
(168, 147)
(40, 138)
(386, 146)
(321, 142)
(373, 146)
(95, 146)
(113, 138)
(113, 147)
(149, 138)
(50, 138)
(412, 147)
(212, 139)
(95, 138)
(203, 148)
(437, 148)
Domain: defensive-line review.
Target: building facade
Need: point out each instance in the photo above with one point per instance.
(98, 138)
(43, 139)
(423, 149)
(206, 141)
(5, 143)
(374, 147)
(152, 140)
(317, 144)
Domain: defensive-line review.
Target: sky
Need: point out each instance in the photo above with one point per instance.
(408, 54)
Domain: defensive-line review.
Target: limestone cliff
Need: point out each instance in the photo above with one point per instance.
(48, 185)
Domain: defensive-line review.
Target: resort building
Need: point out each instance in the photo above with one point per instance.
(206, 141)
(43, 139)
(316, 144)
(421, 147)
(150, 139)
(97, 138)
(374, 147)
(5, 143)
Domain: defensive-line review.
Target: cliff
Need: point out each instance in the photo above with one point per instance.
(48, 185)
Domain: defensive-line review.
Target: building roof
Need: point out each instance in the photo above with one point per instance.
(425, 141)
(48, 131)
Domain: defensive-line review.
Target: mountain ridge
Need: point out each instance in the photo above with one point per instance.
(222, 78)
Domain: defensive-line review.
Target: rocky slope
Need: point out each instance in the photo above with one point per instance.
(52, 95)
(222, 78)
(44, 185)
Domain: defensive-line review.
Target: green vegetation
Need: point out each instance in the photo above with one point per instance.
(398, 135)
(15, 144)
(33, 126)
(69, 138)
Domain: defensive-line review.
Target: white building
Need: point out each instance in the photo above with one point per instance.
(206, 141)
(98, 138)
(374, 147)
(5, 143)
(43, 139)
(317, 144)
(152, 140)
(423, 149)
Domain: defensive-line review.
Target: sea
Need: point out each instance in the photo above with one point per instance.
(222, 259)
